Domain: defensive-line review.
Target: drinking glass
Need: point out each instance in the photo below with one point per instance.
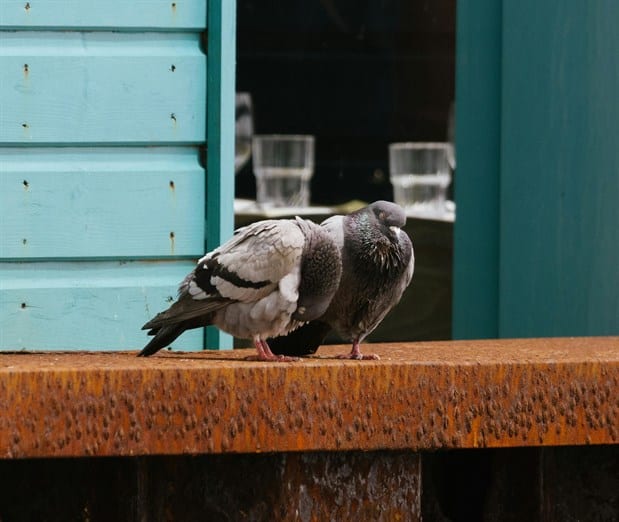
(243, 130)
(283, 166)
(420, 174)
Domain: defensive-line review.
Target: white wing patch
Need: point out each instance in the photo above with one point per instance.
(238, 293)
(196, 292)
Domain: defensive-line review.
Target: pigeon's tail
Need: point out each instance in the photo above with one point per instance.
(163, 337)
(302, 341)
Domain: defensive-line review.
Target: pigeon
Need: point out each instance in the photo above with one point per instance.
(377, 266)
(271, 277)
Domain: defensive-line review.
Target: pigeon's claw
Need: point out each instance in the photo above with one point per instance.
(359, 357)
(265, 353)
(356, 354)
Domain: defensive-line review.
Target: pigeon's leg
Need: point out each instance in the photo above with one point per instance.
(273, 357)
(355, 353)
(265, 353)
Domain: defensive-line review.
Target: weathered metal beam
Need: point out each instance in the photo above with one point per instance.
(544, 484)
(302, 487)
(495, 393)
(495, 485)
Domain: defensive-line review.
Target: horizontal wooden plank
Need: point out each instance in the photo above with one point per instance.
(104, 14)
(87, 305)
(88, 202)
(89, 87)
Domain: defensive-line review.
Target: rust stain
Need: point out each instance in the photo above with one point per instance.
(172, 241)
(173, 202)
(26, 71)
(419, 396)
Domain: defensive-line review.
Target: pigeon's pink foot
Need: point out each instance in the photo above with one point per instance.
(265, 354)
(277, 358)
(357, 355)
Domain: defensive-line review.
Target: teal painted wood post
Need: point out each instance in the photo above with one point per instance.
(478, 119)
(220, 132)
(537, 232)
(560, 169)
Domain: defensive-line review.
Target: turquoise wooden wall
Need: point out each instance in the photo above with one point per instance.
(537, 186)
(115, 129)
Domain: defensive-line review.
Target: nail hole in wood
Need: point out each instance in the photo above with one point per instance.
(171, 184)
(26, 184)
(27, 6)
(173, 67)
(23, 305)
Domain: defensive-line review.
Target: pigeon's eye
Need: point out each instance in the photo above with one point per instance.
(381, 215)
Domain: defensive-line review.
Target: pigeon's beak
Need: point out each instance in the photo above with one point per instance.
(396, 230)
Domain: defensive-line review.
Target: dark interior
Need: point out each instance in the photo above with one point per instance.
(356, 74)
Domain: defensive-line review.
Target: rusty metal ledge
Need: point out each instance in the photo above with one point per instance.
(495, 393)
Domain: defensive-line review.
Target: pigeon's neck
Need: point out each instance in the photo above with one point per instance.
(370, 246)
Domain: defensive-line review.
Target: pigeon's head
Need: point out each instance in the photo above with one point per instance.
(375, 234)
(389, 217)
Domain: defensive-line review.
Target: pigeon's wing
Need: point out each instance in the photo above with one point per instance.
(185, 309)
(252, 264)
(406, 258)
(244, 269)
